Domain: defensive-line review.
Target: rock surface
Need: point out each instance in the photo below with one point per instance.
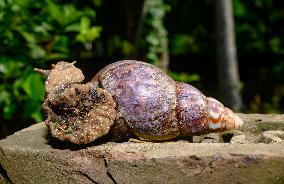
(32, 156)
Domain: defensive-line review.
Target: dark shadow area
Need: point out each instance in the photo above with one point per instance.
(4, 178)
(227, 137)
(185, 138)
(11, 126)
(62, 145)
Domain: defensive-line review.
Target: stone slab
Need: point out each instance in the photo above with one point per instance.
(32, 156)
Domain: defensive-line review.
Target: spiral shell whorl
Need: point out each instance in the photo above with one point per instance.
(155, 107)
(145, 96)
(191, 109)
(221, 118)
(198, 114)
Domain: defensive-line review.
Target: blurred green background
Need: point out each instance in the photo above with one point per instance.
(37, 33)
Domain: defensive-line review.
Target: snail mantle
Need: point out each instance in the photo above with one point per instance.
(253, 153)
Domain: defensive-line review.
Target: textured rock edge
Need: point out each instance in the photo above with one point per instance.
(30, 156)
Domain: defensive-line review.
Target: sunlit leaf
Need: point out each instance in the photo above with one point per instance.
(10, 68)
(36, 51)
(4, 98)
(28, 36)
(185, 77)
(239, 8)
(37, 116)
(33, 86)
(87, 33)
(17, 86)
(85, 24)
(73, 28)
(54, 11)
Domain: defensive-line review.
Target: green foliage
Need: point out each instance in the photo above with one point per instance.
(182, 44)
(254, 23)
(156, 37)
(32, 33)
(191, 27)
(184, 77)
(118, 43)
(87, 33)
(21, 90)
(259, 31)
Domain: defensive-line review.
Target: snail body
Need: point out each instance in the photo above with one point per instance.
(128, 98)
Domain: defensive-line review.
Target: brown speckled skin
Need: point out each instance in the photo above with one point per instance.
(192, 110)
(145, 97)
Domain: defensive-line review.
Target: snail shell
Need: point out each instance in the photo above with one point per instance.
(128, 98)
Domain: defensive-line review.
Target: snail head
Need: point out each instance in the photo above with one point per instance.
(63, 73)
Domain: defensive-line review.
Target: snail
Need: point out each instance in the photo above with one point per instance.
(128, 98)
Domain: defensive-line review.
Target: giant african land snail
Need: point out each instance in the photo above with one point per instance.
(128, 98)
